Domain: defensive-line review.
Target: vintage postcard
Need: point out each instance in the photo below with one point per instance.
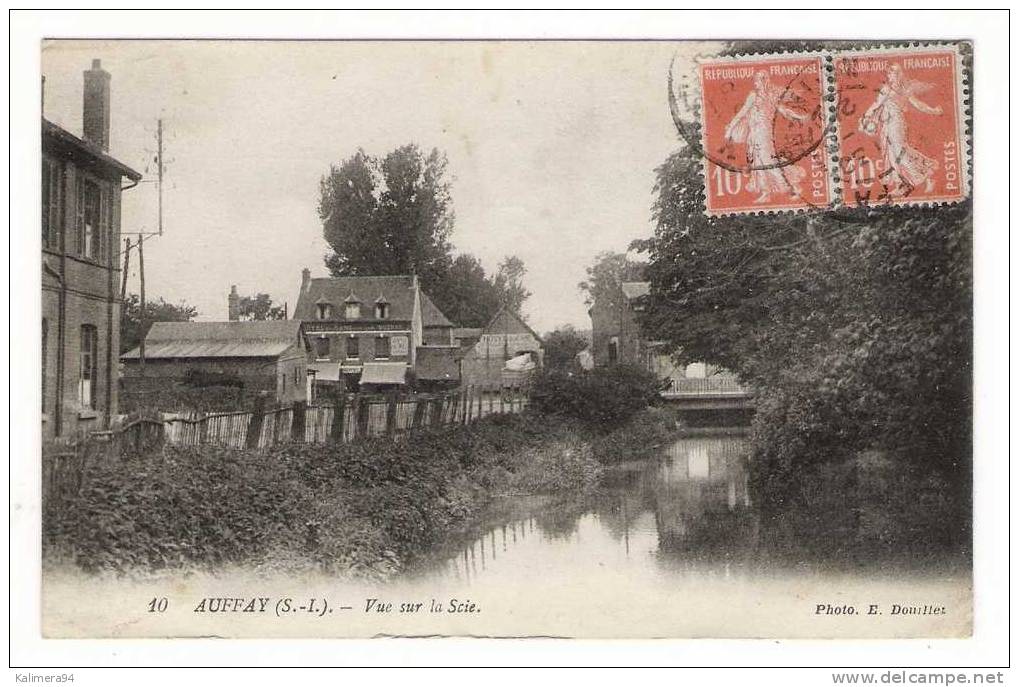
(571, 339)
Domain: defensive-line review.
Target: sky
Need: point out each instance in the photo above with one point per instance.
(552, 149)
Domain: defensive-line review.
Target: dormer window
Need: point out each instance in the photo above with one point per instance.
(325, 311)
(352, 307)
(381, 308)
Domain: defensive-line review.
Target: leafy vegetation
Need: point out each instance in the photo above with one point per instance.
(364, 509)
(854, 328)
(394, 215)
(155, 311)
(603, 398)
(138, 399)
(647, 431)
(259, 307)
(606, 274)
(562, 346)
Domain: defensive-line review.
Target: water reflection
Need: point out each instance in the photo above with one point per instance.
(688, 512)
(687, 509)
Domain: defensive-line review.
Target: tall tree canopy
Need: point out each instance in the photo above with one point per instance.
(394, 215)
(155, 311)
(853, 326)
(509, 281)
(259, 307)
(388, 215)
(607, 273)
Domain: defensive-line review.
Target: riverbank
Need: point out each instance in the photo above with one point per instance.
(363, 510)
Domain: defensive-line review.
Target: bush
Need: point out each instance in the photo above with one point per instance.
(603, 398)
(645, 432)
(364, 509)
(179, 397)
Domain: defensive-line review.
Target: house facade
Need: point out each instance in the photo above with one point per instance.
(266, 355)
(505, 337)
(373, 331)
(617, 339)
(81, 210)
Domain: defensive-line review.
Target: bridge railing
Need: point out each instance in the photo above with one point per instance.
(705, 385)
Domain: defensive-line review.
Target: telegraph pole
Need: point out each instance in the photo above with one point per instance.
(141, 250)
(141, 315)
(159, 157)
(127, 262)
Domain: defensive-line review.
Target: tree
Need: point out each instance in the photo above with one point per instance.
(607, 273)
(390, 215)
(155, 311)
(394, 215)
(467, 296)
(259, 307)
(854, 326)
(562, 346)
(509, 280)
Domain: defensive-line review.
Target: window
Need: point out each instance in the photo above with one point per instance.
(381, 311)
(92, 221)
(45, 342)
(322, 348)
(382, 347)
(353, 347)
(614, 350)
(324, 311)
(352, 311)
(87, 367)
(51, 205)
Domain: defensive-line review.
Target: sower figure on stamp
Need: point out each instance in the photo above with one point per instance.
(886, 120)
(754, 125)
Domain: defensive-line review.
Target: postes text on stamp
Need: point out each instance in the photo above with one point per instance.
(763, 129)
(900, 126)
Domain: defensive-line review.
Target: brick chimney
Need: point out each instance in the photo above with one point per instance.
(96, 106)
(233, 304)
(305, 279)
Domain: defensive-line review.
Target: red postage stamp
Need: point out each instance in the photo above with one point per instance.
(763, 133)
(900, 126)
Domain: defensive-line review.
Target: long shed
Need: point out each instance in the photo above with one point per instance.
(262, 355)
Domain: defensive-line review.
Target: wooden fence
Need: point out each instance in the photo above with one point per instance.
(349, 418)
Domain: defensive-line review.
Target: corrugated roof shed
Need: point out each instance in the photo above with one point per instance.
(267, 339)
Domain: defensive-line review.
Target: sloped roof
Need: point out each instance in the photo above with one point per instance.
(467, 332)
(504, 318)
(267, 339)
(383, 373)
(635, 289)
(396, 289)
(88, 152)
(437, 363)
(431, 316)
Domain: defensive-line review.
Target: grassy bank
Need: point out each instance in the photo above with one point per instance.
(365, 509)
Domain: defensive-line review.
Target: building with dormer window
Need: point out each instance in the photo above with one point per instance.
(381, 331)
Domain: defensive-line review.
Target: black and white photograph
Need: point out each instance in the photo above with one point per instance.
(570, 339)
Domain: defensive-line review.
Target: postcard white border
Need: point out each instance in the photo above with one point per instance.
(989, 31)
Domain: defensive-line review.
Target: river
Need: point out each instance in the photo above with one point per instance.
(669, 546)
(676, 541)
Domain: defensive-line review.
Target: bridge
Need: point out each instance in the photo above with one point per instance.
(708, 393)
